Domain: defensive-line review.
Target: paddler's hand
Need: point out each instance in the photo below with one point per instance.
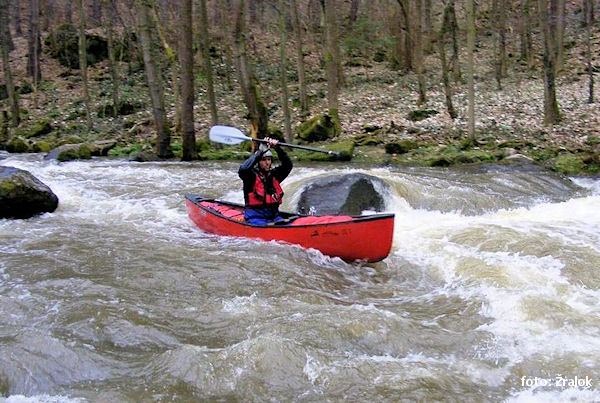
(271, 142)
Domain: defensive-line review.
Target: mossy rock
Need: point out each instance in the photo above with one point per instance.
(421, 114)
(401, 147)
(70, 152)
(39, 128)
(41, 146)
(368, 139)
(576, 164)
(70, 140)
(17, 145)
(319, 128)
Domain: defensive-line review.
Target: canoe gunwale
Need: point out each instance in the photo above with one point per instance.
(197, 200)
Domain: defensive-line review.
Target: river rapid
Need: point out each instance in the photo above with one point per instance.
(490, 292)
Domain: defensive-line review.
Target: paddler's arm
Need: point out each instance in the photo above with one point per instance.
(283, 170)
(245, 170)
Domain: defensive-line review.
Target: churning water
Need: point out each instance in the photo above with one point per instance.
(490, 293)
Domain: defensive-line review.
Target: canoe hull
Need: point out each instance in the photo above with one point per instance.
(366, 238)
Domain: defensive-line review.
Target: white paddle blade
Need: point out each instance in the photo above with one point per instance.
(227, 135)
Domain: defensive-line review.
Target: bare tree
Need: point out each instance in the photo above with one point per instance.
(551, 111)
(13, 100)
(17, 17)
(154, 79)
(83, 63)
(525, 32)
(499, 12)
(330, 61)
(471, 67)
(207, 62)
(300, 59)
(444, 29)
(247, 79)
(186, 59)
(419, 52)
(109, 7)
(588, 41)
(287, 125)
(34, 43)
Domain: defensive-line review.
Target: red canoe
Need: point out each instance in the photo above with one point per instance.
(367, 238)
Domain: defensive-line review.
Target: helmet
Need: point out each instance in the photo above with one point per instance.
(265, 150)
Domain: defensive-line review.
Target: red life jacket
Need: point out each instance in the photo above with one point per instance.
(259, 196)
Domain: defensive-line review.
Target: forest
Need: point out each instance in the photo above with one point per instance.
(419, 82)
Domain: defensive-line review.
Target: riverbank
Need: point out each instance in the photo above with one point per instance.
(378, 112)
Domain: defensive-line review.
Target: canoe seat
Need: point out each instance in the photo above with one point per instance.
(225, 211)
(326, 219)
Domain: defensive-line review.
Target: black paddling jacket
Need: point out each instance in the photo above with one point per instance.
(261, 189)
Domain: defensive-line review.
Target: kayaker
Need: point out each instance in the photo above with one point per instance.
(262, 183)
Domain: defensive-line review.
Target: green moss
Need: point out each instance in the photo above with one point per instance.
(569, 164)
(17, 145)
(39, 128)
(319, 128)
(401, 147)
(6, 186)
(41, 146)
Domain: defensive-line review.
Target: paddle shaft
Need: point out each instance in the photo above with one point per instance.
(299, 147)
(231, 135)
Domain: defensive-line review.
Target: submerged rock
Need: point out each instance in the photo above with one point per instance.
(343, 194)
(22, 195)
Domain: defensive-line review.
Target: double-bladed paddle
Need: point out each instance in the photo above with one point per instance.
(232, 136)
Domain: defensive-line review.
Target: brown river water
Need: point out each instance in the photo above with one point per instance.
(490, 292)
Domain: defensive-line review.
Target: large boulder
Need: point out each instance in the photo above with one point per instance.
(349, 194)
(319, 128)
(22, 195)
(70, 152)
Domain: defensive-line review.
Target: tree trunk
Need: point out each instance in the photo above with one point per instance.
(83, 63)
(186, 60)
(13, 100)
(96, 13)
(249, 85)
(300, 60)
(331, 63)
(500, 18)
(112, 63)
(17, 18)
(419, 52)
(287, 125)
(588, 25)
(34, 44)
(551, 111)
(68, 12)
(154, 80)
(353, 14)
(429, 32)
(558, 20)
(525, 33)
(172, 57)
(470, 67)
(408, 60)
(207, 63)
(454, 59)
(445, 28)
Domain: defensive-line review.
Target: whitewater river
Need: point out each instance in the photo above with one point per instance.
(490, 293)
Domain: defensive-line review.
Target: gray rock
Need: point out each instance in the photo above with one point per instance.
(349, 194)
(22, 195)
(69, 152)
